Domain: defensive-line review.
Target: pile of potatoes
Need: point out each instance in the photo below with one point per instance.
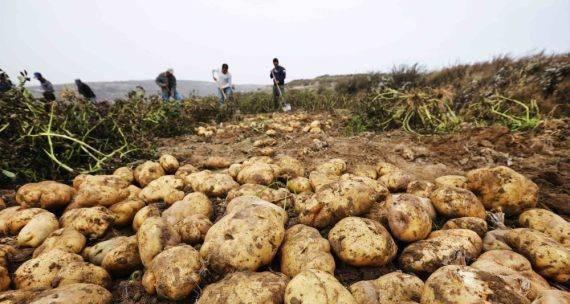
(270, 230)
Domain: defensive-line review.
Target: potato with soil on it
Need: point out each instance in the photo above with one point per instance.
(456, 202)
(319, 179)
(496, 240)
(304, 248)
(192, 204)
(552, 297)
(169, 163)
(451, 181)
(472, 223)
(317, 287)
(154, 235)
(65, 239)
(247, 237)
(503, 189)
(211, 184)
(216, 162)
(185, 170)
(379, 212)
(6, 216)
(39, 272)
(81, 272)
(46, 195)
(281, 197)
(335, 166)
(397, 181)
(299, 185)
(463, 284)
(173, 273)
(256, 173)
(37, 229)
(145, 213)
(88, 293)
(19, 296)
(548, 257)
(289, 167)
(147, 172)
(362, 242)
(4, 279)
(92, 222)
(246, 287)
(125, 173)
(13, 220)
(119, 255)
(193, 229)
(125, 211)
(421, 188)
(234, 170)
(103, 190)
(547, 222)
(365, 171)
(392, 288)
(408, 218)
(166, 188)
(134, 192)
(2, 204)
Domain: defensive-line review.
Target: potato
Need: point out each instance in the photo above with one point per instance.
(266, 151)
(88, 293)
(256, 173)
(4, 279)
(124, 212)
(463, 284)
(451, 181)
(264, 142)
(81, 272)
(19, 296)
(247, 237)
(391, 288)
(143, 214)
(408, 218)
(166, 188)
(384, 168)
(281, 197)
(125, 173)
(96, 253)
(457, 202)
(119, 255)
(46, 195)
(185, 170)
(173, 273)
(320, 179)
(65, 239)
(380, 190)
(193, 229)
(397, 181)
(192, 204)
(472, 223)
(6, 216)
(103, 190)
(550, 297)
(39, 272)
(503, 189)
(299, 185)
(234, 170)
(365, 171)
(334, 166)
(547, 222)
(216, 162)
(154, 235)
(92, 222)
(448, 247)
(134, 192)
(147, 172)
(16, 219)
(548, 257)
(428, 206)
(420, 188)
(496, 240)
(169, 163)
(211, 184)
(317, 287)
(246, 287)
(289, 167)
(38, 229)
(304, 248)
(379, 212)
(2, 203)
(362, 242)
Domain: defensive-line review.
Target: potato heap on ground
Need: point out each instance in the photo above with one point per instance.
(268, 230)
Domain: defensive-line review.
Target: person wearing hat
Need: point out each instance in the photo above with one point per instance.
(167, 83)
(47, 87)
(5, 83)
(84, 90)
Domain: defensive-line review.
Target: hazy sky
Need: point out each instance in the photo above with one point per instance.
(107, 40)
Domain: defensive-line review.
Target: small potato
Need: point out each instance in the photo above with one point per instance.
(92, 222)
(103, 190)
(266, 151)
(46, 195)
(496, 240)
(304, 248)
(334, 166)
(320, 179)
(65, 239)
(365, 171)
(289, 167)
(143, 214)
(125, 211)
(169, 163)
(408, 219)
(147, 172)
(88, 293)
(362, 242)
(211, 184)
(420, 188)
(299, 185)
(397, 181)
(173, 273)
(81, 272)
(96, 253)
(154, 235)
(123, 258)
(134, 192)
(457, 202)
(503, 189)
(38, 229)
(472, 223)
(193, 229)
(39, 272)
(264, 142)
(317, 287)
(451, 181)
(256, 173)
(216, 162)
(281, 197)
(391, 288)
(166, 188)
(192, 204)
(550, 297)
(384, 168)
(125, 173)
(547, 222)
(246, 287)
(185, 170)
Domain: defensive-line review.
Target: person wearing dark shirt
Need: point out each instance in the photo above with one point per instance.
(84, 90)
(167, 83)
(278, 75)
(5, 83)
(47, 87)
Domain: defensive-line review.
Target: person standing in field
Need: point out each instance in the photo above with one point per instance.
(224, 81)
(278, 75)
(5, 83)
(167, 83)
(84, 90)
(47, 87)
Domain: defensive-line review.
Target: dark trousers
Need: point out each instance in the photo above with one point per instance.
(276, 95)
(49, 96)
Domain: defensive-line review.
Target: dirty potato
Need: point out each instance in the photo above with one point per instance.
(103, 190)
(384, 168)
(256, 173)
(193, 229)
(185, 170)
(88, 293)
(397, 181)
(37, 229)
(16, 219)
(451, 181)
(420, 188)
(81, 272)
(125, 173)
(143, 214)
(299, 185)
(166, 188)
(125, 211)
(147, 172)
(457, 202)
(65, 239)
(407, 217)
(304, 248)
(472, 223)
(317, 287)
(211, 184)
(46, 195)
(289, 167)
(391, 288)
(216, 162)
(496, 240)
(154, 235)
(169, 163)
(39, 272)
(192, 204)
(550, 297)
(365, 171)
(319, 179)
(119, 255)
(92, 222)
(19, 296)
(281, 197)
(547, 222)
(334, 166)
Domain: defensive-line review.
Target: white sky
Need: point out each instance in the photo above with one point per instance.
(108, 40)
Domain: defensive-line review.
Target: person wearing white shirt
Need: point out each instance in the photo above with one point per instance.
(224, 81)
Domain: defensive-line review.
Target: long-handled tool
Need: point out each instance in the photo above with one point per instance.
(286, 107)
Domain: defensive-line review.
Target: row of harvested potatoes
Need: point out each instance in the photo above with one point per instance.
(371, 217)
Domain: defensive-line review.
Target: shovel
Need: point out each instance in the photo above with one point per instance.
(287, 106)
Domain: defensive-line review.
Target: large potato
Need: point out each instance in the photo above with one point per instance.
(317, 287)
(451, 181)
(192, 204)
(154, 235)
(463, 284)
(289, 167)
(257, 173)
(173, 273)
(552, 297)
(85, 293)
(281, 196)
(166, 188)
(503, 189)
(397, 181)
(169, 163)
(408, 218)
(247, 237)
(65, 239)
(299, 185)
(496, 240)
(246, 287)
(125, 211)
(319, 179)
(119, 255)
(547, 222)
(362, 242)
(365, 171)
(334, 166)
(125, 173)
(304, 248)
(420, 188)
(37, 229)
(145, 213)
(46, 195)
(39, 272)
(548, 257)
(211, 184)
(379, 212)
(457, 202)
(92, 222)
(147, 172)
(13, 220)
(103, 190)
(193, 229)
(472, 223)
(391, 288)
(81, 272)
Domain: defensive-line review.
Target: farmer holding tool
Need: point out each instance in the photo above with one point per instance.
(84, 90)
(167, 83)
(47, 87)
(224, 82)
(278, 75)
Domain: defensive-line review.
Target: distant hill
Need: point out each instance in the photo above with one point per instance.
(118, 89)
